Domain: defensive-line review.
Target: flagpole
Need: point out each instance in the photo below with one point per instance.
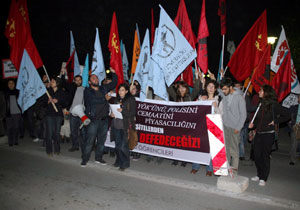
(247, 89)
(46, 73)
(222, 75)
(223, 43)
(55, 108)
(255, 113)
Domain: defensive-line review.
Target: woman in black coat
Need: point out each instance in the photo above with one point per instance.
(269, 114)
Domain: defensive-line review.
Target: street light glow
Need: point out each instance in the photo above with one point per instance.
(271, 39)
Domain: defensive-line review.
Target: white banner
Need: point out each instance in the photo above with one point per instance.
(9, 70)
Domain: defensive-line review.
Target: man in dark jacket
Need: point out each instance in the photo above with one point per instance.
(97, 109)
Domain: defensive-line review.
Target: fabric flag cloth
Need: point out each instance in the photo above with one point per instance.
(250, 50)
(173, 52)
(85, 72)
(136, 51)
(282, 80)
(29, 83)
(98, 67)
(281, 50)
(143, 65)
(222, 14)
(156, 76)
(184, 24)
(115, 52)
(70, 67)
(261, 74)
(203, 33)
(124, 61)
(152, 27)
(18, 33)
(76, 61)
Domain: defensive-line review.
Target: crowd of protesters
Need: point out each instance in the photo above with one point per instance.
(51, 120)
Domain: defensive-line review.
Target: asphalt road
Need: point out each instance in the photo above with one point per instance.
(29, 181)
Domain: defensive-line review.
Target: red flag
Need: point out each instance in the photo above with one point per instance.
(30, 45)
(222, 14)
(184, 24)
(152, 27)
(18, 32)
(114, 48)
(261, 74)
(282, 80)
(70, 67)
(203, 33)
(250, 50)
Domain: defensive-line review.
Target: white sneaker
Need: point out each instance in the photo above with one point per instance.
(36, 140)
(262, 183)
(255, 179)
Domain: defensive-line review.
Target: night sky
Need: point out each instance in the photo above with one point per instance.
(52, 20)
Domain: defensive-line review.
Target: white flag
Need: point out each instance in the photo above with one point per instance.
(98, 67)
(281, 50)
(173, 52)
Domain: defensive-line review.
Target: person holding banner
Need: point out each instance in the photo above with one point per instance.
(96, 109)
(269, 114)
(13, 113)
(119, 127)
(54, 118)
(210, 93)
(180, 92)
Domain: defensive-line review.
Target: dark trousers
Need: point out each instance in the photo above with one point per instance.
(75, 123)
(53, 124)
(96, 129)
(121, 149)
(12, 126)
(41, 128)
(28, 114)
(262, 147)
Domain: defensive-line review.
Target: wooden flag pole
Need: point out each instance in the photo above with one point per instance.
(255, 113)
(55, 108)
(223, 43)
(247, 89)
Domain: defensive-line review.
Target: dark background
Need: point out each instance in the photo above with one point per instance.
(52, 20)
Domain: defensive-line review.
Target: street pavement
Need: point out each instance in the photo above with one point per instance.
(282, 190)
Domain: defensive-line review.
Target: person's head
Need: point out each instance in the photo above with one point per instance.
(238, 85)
(182, 89)
(93, 80)
(267, 92)
(135, 89)
(55, 82)
(226, 86)
(11, 84)
(268, 96)
(123, 90)
(211, 88)
(78, 80)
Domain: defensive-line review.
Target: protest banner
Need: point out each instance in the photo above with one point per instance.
(9, 70)
(174, 130)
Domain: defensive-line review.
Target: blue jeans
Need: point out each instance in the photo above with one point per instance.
(243, 139)
(96, 129)
(75, 123)
(209, 167)
(121, 149)
(53, 125)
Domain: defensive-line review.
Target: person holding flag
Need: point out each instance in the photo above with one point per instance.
(54, 118)
(269, 114)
